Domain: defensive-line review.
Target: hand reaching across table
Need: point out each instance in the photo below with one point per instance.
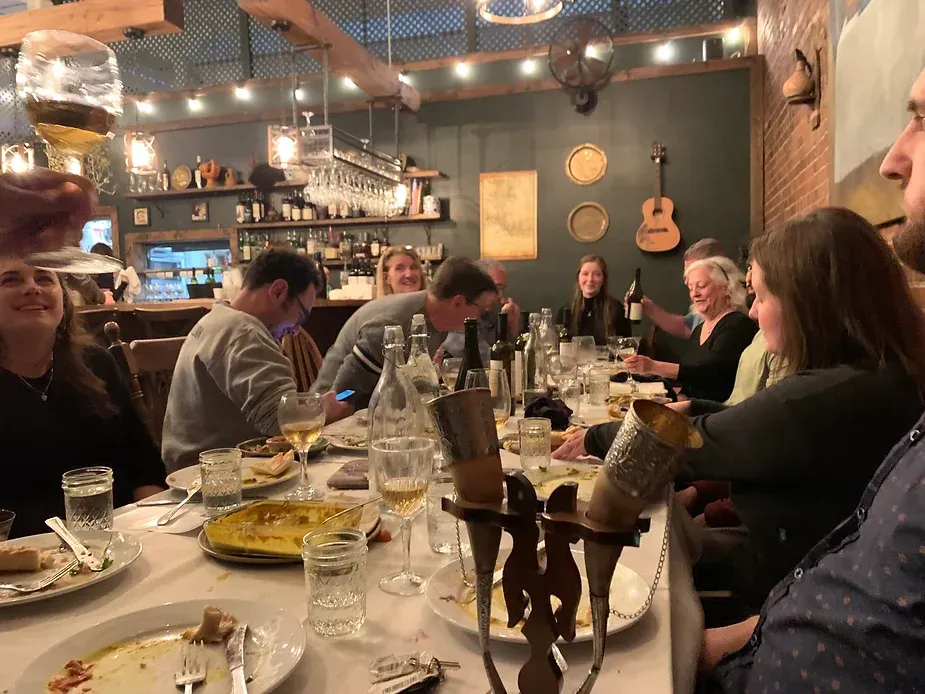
(43, 210)
(573, 448)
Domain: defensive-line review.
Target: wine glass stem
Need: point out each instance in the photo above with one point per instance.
(304, 482)
(406, 545)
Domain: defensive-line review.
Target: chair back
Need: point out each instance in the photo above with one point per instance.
(305, 357)
(95, 321)
(148, 365)
(168, 322)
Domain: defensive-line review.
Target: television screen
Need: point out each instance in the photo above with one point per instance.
(96, 231)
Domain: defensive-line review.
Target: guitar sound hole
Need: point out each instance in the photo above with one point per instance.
(657, 230)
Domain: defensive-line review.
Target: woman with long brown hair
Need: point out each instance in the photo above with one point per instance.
(399, 271)
(65, 405)
(852, 342)
(592, 311)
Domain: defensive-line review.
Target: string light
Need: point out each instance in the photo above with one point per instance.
(145, 107)
(194, 104)
(463, 69)
(664, 52)
(300, 94)
(734, 35)
(242, 93)
(349, 83)
(528, 67)
(404, 79)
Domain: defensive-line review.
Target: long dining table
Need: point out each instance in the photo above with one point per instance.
(658, 654)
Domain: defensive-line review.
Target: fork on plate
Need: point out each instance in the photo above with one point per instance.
(35, 586)
(192, 667)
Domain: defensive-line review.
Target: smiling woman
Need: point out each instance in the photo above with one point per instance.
(64, 403)
(399, 272)
(592, 310)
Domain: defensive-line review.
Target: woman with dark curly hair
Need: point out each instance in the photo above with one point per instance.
(64, 404)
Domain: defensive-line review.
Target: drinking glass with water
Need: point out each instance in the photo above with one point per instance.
(535, 442)
(88, 498)
(444, 534)
(335, 580)
(220, 471)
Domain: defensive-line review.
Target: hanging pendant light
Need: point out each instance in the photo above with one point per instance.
(17, 158)
(139, 154)
(518, 12)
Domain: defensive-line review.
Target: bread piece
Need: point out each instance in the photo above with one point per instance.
(216, 625)
(19, 558)
(275, 466)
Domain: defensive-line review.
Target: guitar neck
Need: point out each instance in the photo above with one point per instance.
(658, 185)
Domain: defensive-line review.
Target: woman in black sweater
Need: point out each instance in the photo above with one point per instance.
(853, 344)
(592, 310)
(65, 405)
(708, 370)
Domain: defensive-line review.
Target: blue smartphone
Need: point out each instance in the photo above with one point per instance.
(344, 394)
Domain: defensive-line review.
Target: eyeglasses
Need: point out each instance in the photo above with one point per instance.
(303, 312)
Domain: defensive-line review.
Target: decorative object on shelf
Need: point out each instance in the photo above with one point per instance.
(804, 86)
(181, 178)
(210, 171)
(658, 232)
(231, 177)
(580, 59)
(518, 14)
(17, 158)
(586, 164)
(507, 211)
(431, 204)
(142, 217)
(200, 211)
(588, 222)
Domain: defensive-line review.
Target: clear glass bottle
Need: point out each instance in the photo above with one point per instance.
(534, 378)
(395, 407)
(548, 338)
(420, 367)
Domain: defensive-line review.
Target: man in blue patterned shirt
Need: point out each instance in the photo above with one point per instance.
(851, 616)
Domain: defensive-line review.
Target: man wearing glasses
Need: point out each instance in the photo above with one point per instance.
(231, 373)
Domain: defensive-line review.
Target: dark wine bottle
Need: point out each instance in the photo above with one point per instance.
(517, 386)
(634, 303)
(471, 358)
(502, 354)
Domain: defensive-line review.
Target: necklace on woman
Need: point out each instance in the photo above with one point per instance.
(43, 394)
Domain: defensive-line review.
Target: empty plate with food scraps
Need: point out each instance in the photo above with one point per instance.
(453, 601)
(140, 651)
(267, 447)
(256, 473)
(29, 559)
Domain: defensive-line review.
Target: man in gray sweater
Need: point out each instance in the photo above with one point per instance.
(460, 290)
(231, 374)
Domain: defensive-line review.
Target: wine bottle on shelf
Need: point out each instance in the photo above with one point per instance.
(287, 208)
(248, 211)
(502, 354)
(374, 246)
(471, 358)
(517, 387)
(245, 243)
(634, 303)
(239, 210)
(295, 207)
(256, 207)
(309, 209)
(165, 177)
(197, 174)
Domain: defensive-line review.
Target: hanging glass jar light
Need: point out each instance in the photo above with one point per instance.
(140, 156)
(17, 158)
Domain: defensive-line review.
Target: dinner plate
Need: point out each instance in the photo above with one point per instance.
(250, 447)
(347, 442)
(184, 478)
(139, 651)
(123, 551)
(445, 594)
(584, 474)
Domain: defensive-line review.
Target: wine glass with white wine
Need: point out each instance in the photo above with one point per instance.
(621, 348)
(496, 382)
(403, 465)
(72, 93)
(301, 419)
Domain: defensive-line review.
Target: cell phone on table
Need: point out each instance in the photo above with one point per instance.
(345, 395)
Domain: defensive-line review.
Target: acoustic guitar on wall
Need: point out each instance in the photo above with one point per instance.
(658, 232)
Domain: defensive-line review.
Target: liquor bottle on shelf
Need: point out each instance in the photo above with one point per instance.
(332, 250)
(384, 246)
(295, 207)
(374, 246)
(287, 208)
(318, 257)
(343, 210)
(634, 303)
(517, 386)
(197, 174)
(309, 210)
(248, 210)
(239, 210)
(502, 354)
(244, 241)
(471, 358)
(300, 242)
(165, 177)
(346, 246)
(257, 207)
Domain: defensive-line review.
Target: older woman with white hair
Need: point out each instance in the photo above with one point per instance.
(708, 370)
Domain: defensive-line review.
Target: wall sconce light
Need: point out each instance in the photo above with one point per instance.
(283, 145)
(139, 154)
(804, 86)
(17, 158)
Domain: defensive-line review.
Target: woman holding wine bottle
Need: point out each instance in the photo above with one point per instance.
(399, 272)
(592, 310)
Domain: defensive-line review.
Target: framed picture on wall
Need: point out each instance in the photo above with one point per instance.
(142, 217)
(507, 212)
(200, 212)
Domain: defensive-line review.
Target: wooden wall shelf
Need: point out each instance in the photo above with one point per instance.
(424, 173)
(204, 192)
(355, 221)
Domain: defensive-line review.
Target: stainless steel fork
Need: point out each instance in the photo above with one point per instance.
(35, 586)
(192, 667)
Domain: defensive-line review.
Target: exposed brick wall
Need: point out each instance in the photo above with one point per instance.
(797, 159)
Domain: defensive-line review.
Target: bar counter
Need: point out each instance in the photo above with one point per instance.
(176, 318)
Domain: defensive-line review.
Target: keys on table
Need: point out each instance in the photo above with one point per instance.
(416, 672)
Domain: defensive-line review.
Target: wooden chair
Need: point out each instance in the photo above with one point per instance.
(95, 321)
(305, 357)
(168, 322)
(148, 365)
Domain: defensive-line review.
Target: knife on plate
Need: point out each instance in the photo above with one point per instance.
(234, 653)
(84, 555)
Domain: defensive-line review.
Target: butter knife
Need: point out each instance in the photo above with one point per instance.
(84, 555)
(190, 493)
(234, 653)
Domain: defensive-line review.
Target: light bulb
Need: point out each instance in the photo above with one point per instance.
(664, 52)
(285, 149)
(462, 69)
(300, 94)
(194, 104)
(242, 93)
(74, 166)
(141, 155)
(145, 107)
(404, 79)
(734, 35)
(591, 51)
(401, 195)
(528, 67)
(349, 83)
(18, 163)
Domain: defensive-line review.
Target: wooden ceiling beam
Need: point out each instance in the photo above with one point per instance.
(309, 27)
(103, 20)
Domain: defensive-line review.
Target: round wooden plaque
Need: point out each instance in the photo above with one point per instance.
(586, 164)
(588, 222)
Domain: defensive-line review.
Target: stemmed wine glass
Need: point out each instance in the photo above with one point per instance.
(621, 348)
(301, 419)
(585, 355)
(496, 381)
(449, 369)
(403, 465)
(73, 95)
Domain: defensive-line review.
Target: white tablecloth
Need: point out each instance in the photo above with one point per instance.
(656, 655)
